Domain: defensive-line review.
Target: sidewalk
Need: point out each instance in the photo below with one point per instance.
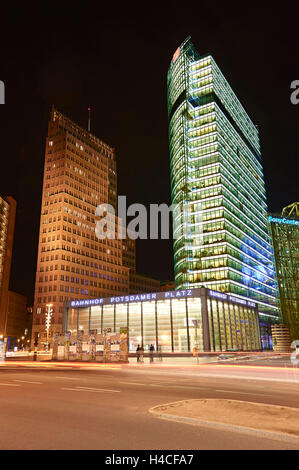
(274, 421)
(242, 358)
(215, 357)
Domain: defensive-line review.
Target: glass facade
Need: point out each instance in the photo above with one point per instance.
(175, 321)
(221, 239)
(285, 236)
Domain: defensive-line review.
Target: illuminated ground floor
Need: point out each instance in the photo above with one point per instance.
(174, 321)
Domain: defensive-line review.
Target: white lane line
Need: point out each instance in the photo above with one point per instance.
(105, 375)
(250, 378)
(190, 386)
(75, 389)
(132, 383)
(69, 378)
(26, 381)
(244, 393)
(166, 385)
(89, 390)
(98, 389)
(10, 385)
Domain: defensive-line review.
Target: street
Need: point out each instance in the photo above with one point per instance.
(93, 406)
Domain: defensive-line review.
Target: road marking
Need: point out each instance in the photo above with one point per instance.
(165, 385)
(98, 389)
(26, 381)
(89, 390)
(190, 386)
(249, 378)
(74, 389)
(10, 385)
(106, 375)
(69, 378)
(132, 383)
(245, 393)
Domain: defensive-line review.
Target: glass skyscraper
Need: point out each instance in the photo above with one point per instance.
(221, 239)
(284, 229)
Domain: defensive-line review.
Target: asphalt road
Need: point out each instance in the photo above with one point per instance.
(44, 406)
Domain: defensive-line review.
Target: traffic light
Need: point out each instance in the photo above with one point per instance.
(36, 335)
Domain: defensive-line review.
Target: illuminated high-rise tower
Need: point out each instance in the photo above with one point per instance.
(79, 174)
(284, 229)
(221, 238)
(7, 227)
(73, 263)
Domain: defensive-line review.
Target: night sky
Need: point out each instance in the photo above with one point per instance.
(115, 58)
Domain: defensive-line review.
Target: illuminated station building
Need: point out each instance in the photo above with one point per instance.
(221, 239)
(173, 321)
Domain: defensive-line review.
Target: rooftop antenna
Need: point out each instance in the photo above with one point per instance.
(88, 127)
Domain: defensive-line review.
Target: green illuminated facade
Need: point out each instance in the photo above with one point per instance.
(221, 240)
(285, 235)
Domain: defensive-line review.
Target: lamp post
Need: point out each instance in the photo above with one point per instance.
(2, 347)
(49, 313)
(195, 349)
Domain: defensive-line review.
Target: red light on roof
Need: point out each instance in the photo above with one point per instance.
(176, 54)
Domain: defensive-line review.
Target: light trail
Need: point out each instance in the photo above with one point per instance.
(154, 366)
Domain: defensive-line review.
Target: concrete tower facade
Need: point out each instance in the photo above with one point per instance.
(79, 174)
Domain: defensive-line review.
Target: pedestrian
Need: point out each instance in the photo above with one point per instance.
(160, 353)
(141, 353)
(138, 353)
(151, 353)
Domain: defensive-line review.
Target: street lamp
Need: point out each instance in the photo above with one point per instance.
(195, 349)
(49, 313)
(2, 348)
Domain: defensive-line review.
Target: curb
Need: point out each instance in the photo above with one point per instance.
(229, 427)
